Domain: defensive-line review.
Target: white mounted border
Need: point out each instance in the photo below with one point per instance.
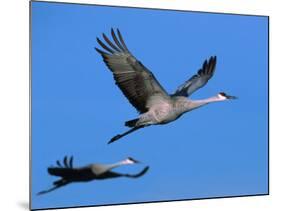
(14, 106)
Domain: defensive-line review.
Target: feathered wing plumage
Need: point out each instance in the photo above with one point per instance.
(136, 82)
(62, 170)
(199, 80)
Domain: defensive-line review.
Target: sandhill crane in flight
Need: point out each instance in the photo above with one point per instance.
(145, 93)
(69, 174)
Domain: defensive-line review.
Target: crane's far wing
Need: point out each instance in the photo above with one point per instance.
(62, 171)
(199, 80)
(136, 82)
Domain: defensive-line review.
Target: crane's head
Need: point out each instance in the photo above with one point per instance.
(224, 96)
(129, 161)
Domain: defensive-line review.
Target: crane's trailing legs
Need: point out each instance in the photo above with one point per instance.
(115, 138)
(57, 184)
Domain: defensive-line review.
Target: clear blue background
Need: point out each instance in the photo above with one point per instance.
(217, 150)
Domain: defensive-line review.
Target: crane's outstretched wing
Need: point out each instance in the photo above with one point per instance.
(199, 80)
(136, 82)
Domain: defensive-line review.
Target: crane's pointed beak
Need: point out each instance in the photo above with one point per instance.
(133, 160)
(231, 97)
(137, 161)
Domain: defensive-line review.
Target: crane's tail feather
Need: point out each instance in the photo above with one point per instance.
(131, 123)
(115, 138)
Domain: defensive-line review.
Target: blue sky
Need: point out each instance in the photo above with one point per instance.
(217, 150)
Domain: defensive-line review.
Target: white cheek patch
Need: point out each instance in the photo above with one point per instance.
(221, 97)
(128, 161)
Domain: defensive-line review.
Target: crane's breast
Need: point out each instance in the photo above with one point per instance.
(163, 113)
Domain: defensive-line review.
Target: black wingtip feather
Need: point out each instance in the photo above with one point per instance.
(212, 64)
(116, 40)
(58, 163)
(104, 46)
(110, 43)
(100, 51)
(205, 64)
(213, 59)
(71, 162)
(65, 161)
(122, 40)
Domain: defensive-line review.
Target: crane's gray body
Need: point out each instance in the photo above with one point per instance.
(163, 111)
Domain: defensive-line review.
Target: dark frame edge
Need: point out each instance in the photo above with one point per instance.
(30, 105)
(150, 202)
(268, 104)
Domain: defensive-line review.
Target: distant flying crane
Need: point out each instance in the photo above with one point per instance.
(88, 173)
(145, 93)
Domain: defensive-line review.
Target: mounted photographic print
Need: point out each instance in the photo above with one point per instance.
(134, 105)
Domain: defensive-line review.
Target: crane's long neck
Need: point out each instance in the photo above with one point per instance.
(114, 165)
(99, 169)
(198, 103)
